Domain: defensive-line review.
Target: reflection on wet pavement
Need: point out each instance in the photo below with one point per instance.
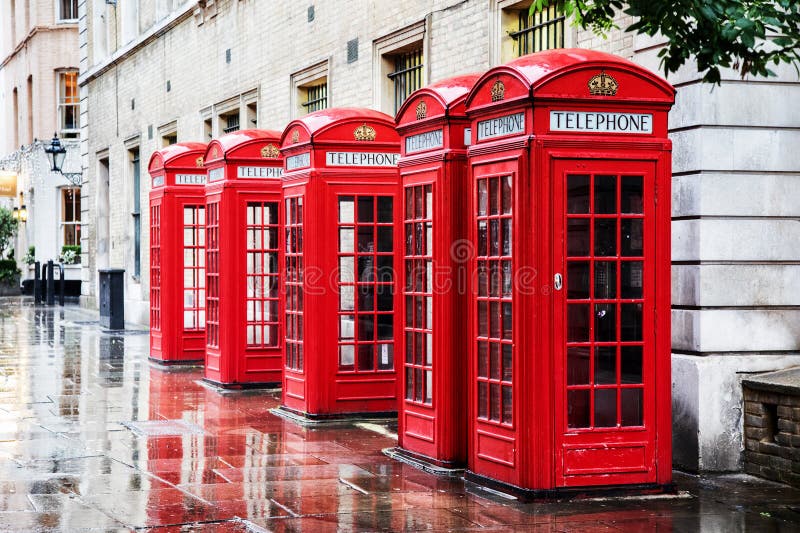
(94, 438)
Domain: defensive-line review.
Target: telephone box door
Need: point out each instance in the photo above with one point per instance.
(604, 349)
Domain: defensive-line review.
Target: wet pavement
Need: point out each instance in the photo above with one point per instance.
(95, 438)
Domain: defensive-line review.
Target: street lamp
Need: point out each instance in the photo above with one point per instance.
(56, 154)
(20, 213)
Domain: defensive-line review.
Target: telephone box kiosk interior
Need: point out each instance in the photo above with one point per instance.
(570, 320)
(340, 190)
(177, 254)
(243, 199)
(433, 168)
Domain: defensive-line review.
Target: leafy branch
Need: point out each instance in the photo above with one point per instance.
(745, 35)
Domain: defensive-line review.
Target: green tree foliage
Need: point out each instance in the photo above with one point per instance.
(8, 230)
(746, 35)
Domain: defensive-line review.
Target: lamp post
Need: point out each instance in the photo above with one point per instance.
(56, 153)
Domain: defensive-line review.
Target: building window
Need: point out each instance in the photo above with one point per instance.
(71, 216)
(543, 30)
(400, 60)
(30, 109)
(136, 213)
(67, 10)
(251, 112)
(316, 97)
(310, 89)
(15, 113)
(168, 133)
(406, 76)
(231, 122)
(68, 111)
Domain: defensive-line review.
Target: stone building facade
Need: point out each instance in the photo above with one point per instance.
(39, 96)
(157, 71)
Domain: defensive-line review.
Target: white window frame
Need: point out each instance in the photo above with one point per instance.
(62, 104)
(246, 105)
(385, 48)
(62, 222)
(166, 131)
(303, 79)
(503, 20)
(59, 11)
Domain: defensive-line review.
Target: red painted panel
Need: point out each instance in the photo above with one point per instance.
(176, 273)
(419, 426)
(605, 459)
(245, 324)
(491, 447)
(432, 124)
(342, 255)
(584, 369)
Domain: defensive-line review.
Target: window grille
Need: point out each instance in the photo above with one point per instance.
(316, 97)
(231, 123)
(539, 31)
(407, 75)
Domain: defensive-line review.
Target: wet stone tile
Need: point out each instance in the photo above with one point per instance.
(193, 459)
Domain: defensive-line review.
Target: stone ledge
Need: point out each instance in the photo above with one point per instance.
(781, 382)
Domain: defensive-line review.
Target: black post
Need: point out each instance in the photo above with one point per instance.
(51, 286)
(61, 284)
(43, 284)
(36, 282)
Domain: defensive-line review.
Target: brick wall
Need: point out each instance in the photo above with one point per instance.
(772, 435)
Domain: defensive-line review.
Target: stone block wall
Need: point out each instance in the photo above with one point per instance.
(772, 431)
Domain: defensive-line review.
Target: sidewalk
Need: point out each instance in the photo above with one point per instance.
(94, 438)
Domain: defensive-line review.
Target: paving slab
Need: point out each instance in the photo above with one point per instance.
(95, 438)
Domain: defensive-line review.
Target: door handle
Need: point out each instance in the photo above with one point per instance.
(557, 282)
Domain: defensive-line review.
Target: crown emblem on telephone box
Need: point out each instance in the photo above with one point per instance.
(603, 85)
(270, 151)
(498, 91)
(364, 133)
(422, 110)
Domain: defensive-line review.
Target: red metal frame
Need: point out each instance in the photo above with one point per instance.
(177, 285)
(342, 255)
(570, 418)
(432, 420)
(243, 198)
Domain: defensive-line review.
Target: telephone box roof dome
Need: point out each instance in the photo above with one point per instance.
(449, 93)
(451, 89)
(319, 121)
(183, 154)
(538, 72)
(238, 138)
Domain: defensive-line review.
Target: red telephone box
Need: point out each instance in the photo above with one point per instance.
(570, 316)
(432, 420)
(341, 208)
(243, 198)
(177, 255)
